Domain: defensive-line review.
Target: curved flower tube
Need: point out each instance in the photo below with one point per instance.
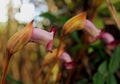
(106, 37)
(92, 31)
(27, 34)
(69, 63)
(43, 37)
(96, 33)
(63, 56)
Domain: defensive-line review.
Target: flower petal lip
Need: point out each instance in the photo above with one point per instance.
(70, 65)
(75, 23)
(50, 43)
(68, 62)
(53, 29)
(106, 37)
(113, 44)
(49, 46)
(65, 57)
(18, 40)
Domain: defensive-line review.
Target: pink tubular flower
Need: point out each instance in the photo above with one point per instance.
(43, 37)
(18, 40)
(91, 30)
(64, 56)
(69, 63)
(106, 37)
(97, 33)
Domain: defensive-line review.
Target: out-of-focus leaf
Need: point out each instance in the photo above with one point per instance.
(99, 49)
(98, 79)
(50, 16)
(77, 47)
(82, 81)
(99, 22)
(74, 35)
(111, 79)
(55, 71)
(70, 4)
(115, 60)
(103, 68)
(96, 44)
(12, 81)
(62, 19)
(90, 49)
(97, 3)
(104, 11)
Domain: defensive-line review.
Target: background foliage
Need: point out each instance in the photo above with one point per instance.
(94, 64)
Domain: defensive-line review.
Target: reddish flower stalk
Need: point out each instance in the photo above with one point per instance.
(5, 70)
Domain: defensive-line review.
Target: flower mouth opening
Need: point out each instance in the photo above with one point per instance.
(53, 29)
(50, 43)
(70, 65)
(113, 44)
(49, 46)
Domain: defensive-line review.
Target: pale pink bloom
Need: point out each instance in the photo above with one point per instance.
(109, 40)
(107, 37)
(91, 30)
(43, 37)
(69, 63)
(96, 33)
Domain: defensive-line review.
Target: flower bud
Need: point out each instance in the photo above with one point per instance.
(75, 23)
(19, 39)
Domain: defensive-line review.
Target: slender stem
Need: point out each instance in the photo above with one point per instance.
(5, 70)
(39, 74)
(56, 59)
(93, 14)
(81, 55)
(113, 12)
